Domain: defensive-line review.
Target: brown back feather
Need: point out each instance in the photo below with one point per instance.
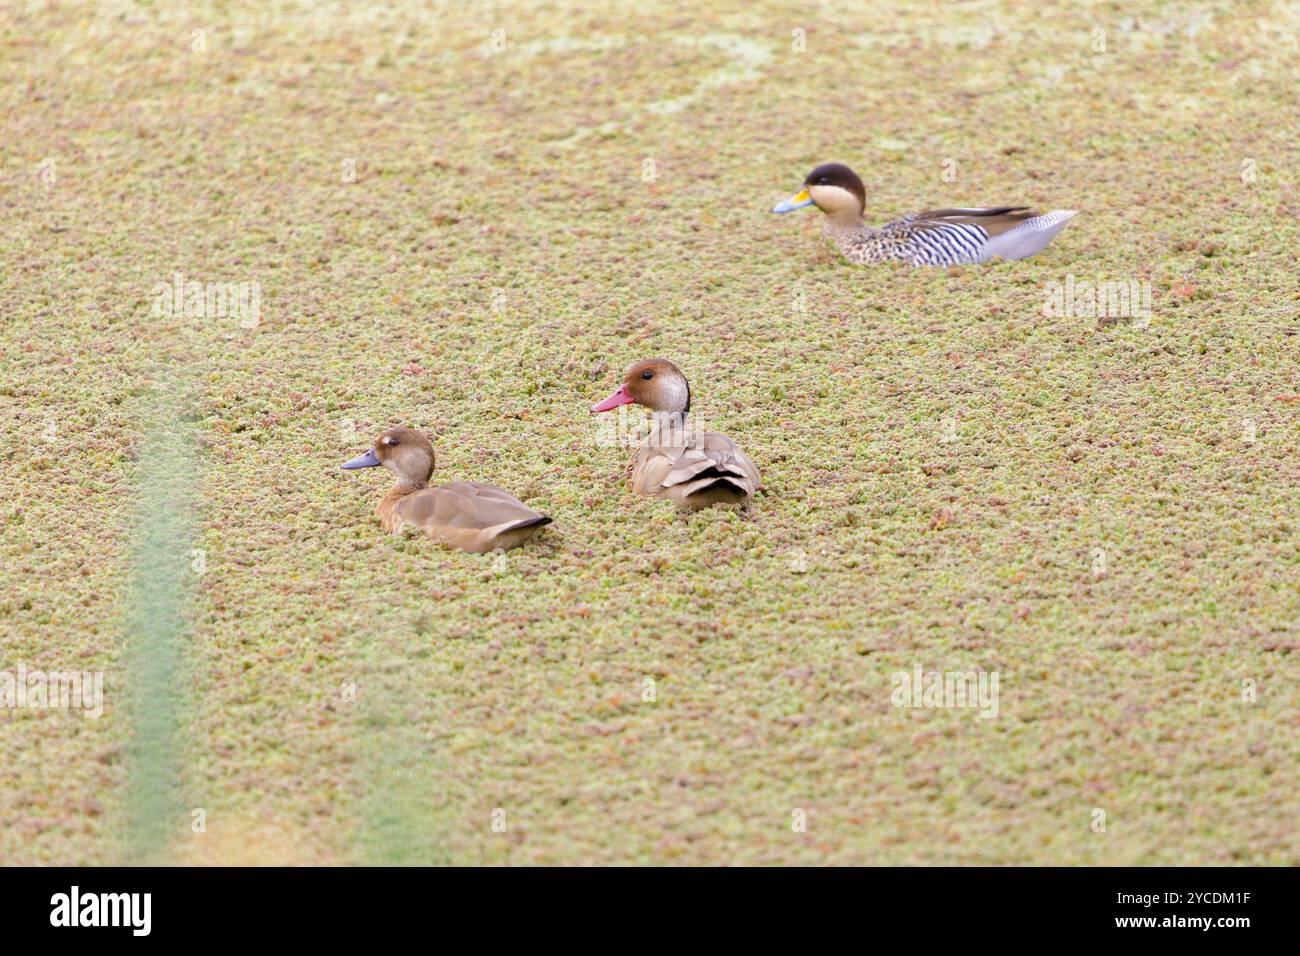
(994, 221)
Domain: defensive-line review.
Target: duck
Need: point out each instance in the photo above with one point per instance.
(691, 468)
(469, 515)
(937, 237)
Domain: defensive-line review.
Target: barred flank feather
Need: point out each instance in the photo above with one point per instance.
(949, 237)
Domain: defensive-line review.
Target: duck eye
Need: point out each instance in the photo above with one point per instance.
(821, 180)
(647, 375)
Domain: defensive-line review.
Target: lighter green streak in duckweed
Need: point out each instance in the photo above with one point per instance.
(164, 568)
(404, 811)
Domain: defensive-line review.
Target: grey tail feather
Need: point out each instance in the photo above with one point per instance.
(530, 522)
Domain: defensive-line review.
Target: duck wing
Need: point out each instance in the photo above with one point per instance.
(994, 220)
(470, 515)
(708, 469)
(946, 237)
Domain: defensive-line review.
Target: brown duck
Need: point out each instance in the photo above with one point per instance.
(469, 515)
(692, 468)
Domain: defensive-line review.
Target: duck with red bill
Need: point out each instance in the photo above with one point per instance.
(621, 397)
(694, 469)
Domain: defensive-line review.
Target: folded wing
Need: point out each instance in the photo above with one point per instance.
(469, 515)
(994, 221)
(708, 469)
(956, 236)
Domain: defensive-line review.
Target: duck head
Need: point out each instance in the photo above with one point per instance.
(403, 451)
(834, 189)
(656, 383)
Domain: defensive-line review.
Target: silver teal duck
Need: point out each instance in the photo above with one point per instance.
(937, 237)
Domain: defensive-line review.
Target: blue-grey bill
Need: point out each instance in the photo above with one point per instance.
(368, 460)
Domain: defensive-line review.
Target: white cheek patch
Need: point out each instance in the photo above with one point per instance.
(834, 199)
(675, 394)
